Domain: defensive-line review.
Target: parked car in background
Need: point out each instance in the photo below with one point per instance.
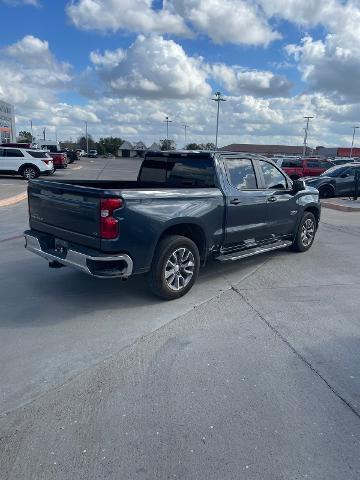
(59, 156)
(183, 208)
(343, 160)
(93, 153)
(337, 181)
(72, 155)
(25, 162)
(304, 167)
(80, 152)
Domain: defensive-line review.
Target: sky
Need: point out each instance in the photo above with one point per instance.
(122, 66)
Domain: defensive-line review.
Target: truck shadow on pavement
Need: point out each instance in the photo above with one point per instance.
(46, 296)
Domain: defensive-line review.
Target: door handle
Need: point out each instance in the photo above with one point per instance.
(272, 199)
(235, 201)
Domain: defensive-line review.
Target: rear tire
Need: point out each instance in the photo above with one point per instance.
(326, 192)
(28, 172)
(175, 267)
(306, 233)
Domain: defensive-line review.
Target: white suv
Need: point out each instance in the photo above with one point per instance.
(25, 162)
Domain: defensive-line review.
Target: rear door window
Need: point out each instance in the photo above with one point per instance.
(293, 163)
(36, 154)
(12, 152)
(241, 173)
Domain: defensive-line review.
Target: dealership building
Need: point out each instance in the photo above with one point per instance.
(7, 122)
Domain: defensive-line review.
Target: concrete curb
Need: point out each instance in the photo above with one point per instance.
(13, 200)
(342, 208)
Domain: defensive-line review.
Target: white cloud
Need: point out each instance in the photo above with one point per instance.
(226, 21)
(329, 65)
(31, 77)
(152, 67)
(132, 15)
(110, 58)
(237, 80)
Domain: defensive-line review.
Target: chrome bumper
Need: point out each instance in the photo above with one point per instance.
(120, 265)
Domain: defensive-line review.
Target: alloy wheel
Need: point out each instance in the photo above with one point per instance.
(179, 269)
(29, 173)
(307, 232)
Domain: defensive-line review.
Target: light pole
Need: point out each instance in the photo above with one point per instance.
(218, 98)
(44, 133)
(352, 143)
(31, 129)
(167, 132)
(185, 129)
(306, 133)
(87, 138)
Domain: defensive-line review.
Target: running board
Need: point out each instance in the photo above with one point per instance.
(231, 257)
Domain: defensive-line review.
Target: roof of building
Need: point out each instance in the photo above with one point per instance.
(126, 146)
(140, 146)
(155, 147)
(264, 149)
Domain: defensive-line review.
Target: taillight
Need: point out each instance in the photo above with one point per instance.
(47, 162)
(109, 226)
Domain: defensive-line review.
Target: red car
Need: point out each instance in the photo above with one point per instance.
(304, 167)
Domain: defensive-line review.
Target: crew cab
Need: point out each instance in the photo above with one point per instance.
(25, 162)
(183, 208)
(59, 156)
(303, 167)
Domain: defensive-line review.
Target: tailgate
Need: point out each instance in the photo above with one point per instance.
(65, 211)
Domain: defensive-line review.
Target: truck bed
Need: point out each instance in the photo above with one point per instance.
(70, 209)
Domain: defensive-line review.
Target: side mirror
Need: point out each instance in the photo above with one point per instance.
(298, 186)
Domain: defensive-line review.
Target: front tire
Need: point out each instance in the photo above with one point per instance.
(326, 192)
(306, 233)
(175, 267)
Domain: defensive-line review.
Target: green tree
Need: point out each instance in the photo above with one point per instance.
(109, 145)
(200, 146)
(81, 143)
(23, 135)
(167, 144)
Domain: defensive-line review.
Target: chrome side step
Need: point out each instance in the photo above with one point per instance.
(231, 257)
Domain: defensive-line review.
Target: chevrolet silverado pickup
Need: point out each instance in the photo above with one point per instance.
(183, 208)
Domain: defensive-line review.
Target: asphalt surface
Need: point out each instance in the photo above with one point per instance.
(253, 375)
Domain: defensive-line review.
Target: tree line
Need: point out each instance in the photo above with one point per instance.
(111, 144)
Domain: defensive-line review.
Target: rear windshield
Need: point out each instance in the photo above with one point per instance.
(179, 171)
(37, 154)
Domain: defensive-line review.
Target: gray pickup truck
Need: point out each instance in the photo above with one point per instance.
(183, 208)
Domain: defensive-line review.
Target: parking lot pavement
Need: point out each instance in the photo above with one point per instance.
(11, 186)
(254, 374)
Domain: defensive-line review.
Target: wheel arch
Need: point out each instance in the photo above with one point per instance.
(24, 165)
(315, 211)
(190, 230)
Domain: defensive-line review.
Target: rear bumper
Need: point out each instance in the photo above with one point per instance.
(95, 264)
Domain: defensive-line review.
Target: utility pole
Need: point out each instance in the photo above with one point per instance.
(185, 129)
(218, 98)
(307, 118)
(167, 132)
(352, 143)
(44, 133)
(87, 139)
(31, 130)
